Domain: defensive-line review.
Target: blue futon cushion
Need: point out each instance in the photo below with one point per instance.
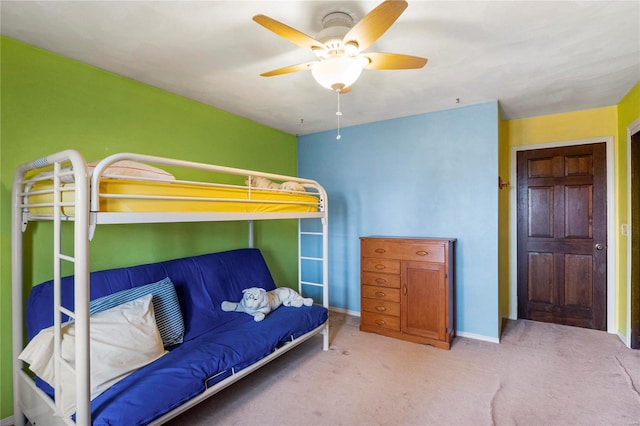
(215, 343)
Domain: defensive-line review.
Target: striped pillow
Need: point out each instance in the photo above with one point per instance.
(165, 307)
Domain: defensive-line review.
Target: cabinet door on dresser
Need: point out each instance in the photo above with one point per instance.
(424, 299)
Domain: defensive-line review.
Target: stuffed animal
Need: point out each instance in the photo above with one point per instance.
(291, 186)
(262, 182)
(258, 302)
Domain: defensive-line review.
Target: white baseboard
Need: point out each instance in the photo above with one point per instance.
(458, 333)
(344, 311)
(477, 337)
(8, 421)
(626, 340)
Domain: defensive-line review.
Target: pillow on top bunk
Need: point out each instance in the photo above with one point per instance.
(123, 339)
(123, 168)
(128, 168)
(165, 305)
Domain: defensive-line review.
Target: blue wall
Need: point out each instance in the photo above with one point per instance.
(431, 175)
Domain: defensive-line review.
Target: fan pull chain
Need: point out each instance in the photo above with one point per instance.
(338, 113)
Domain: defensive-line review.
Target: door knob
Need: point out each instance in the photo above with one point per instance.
(599, 246)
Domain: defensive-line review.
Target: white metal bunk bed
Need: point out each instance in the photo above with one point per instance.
(74, 195)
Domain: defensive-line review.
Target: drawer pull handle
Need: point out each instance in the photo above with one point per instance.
(422, 253)
(380, 308)
(381, 294)
(380, 322)
(381, 280)
(380, 266)
(380, 250)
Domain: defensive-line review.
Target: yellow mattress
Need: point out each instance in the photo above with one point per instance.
(198, 198)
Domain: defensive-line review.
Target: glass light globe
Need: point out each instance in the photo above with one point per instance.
(337, 73)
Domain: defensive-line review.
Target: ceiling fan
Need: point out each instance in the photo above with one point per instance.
(339, 46)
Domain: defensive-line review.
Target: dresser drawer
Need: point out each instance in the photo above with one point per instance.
(381, 293)
(378, 320)
(380, 265)
(415, 250)
(381, 307)
(382, 280)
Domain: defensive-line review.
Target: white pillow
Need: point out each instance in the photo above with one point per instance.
(122, 168)
(123, 339)
(128, 168)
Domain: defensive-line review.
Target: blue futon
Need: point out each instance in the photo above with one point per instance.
(214, 344)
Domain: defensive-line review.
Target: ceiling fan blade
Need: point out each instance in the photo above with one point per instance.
(286, 70)
(375, 23)
(393, 61)
(294, 36)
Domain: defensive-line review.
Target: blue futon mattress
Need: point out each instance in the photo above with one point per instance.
(216, 343)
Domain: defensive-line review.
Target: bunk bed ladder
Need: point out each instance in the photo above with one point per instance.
(313, 268)
(58, 308)
(80, 260)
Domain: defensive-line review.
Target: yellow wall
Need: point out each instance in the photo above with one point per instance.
(628, 112)
(569, 126)
(609, 121)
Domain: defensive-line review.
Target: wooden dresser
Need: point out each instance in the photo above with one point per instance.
(407, 288)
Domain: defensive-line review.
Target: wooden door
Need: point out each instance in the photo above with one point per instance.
(562, 235)
(423, 299)
(635, 241)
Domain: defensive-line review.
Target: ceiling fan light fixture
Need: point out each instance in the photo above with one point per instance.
(337, 73)
(351, 48)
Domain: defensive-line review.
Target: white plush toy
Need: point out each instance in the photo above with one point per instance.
(262, 182)
(258, 302)
(291, 186)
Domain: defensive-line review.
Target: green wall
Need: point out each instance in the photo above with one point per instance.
(50, 103)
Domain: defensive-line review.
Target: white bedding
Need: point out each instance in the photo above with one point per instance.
(123, 339)
(122, 168)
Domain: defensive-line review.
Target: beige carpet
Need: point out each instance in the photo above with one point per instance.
(540, 374)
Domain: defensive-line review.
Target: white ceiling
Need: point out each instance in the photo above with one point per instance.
(535, 58)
